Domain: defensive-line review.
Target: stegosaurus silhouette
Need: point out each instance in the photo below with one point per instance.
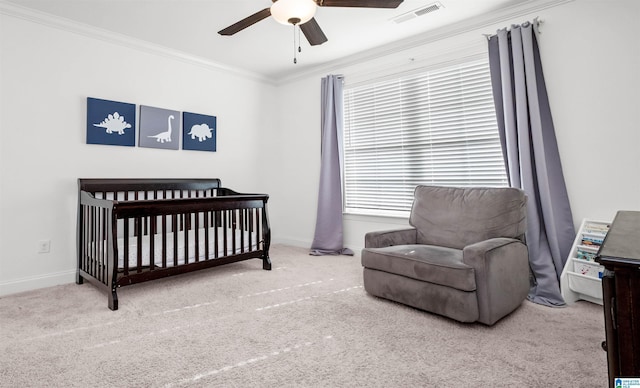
(114, 123)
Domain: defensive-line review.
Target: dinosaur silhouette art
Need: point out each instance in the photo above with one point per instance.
(166, 135)
(202, 132)
(114, 123)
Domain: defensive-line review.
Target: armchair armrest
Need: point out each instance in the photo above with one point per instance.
(501, 268)
(388, 238)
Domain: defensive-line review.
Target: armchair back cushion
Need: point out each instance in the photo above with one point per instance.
(456, 217)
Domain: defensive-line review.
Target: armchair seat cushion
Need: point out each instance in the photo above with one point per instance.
(427, 263)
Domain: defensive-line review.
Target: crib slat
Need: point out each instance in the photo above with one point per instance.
(234, 228)
(100, 243)
(145, 220)
(92, 239)
(152, 241)
(216, 241)
(102, 236)
(196, 235)
(105, 247)
(206, 235)
(139, 247)
(187, 217)
(250, 222)
(256, 231)
(107, 216)
(89, 246)
(82, 243)
(135, 221)
(105, 251)
(96, 241)
(175, 239)
(125, 246)
(164, 241)
(224, 231)
(243, 215)
(85, 237)
(182, 216)
(259, 238)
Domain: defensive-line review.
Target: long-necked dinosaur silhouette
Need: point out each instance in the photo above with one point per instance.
(166, 135)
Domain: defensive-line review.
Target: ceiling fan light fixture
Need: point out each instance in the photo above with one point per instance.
(293, 11)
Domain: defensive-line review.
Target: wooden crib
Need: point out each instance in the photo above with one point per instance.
(134, 230)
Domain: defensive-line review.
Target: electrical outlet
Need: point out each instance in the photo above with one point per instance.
(44, 246)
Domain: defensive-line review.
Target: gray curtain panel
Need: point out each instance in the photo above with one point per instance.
(531, 156)
(328, 239)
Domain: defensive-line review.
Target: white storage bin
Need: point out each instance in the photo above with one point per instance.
(588, 268)
(586, 285)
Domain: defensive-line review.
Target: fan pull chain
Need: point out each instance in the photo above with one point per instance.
(295, 55)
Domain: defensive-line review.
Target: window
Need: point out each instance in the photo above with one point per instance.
(437, 128)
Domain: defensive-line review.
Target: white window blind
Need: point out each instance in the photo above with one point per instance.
(433, 128)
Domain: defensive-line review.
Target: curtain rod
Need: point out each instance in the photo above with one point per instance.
(536, 26)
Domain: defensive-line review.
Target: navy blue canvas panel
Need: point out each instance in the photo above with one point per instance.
(199, 132)
(111, 122)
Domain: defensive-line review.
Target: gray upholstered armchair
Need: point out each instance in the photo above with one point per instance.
(464, 257)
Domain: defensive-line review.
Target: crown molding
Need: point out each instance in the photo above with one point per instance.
(508, 14)
(57, 22)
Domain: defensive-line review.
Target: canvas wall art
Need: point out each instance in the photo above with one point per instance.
(159, 128)
(111, 122)
(199, 132)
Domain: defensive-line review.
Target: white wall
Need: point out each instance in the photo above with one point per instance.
(591, 61)
(47, 72)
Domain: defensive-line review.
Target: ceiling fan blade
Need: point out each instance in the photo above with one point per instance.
(360, 3)
(246, 22)
(313, 32)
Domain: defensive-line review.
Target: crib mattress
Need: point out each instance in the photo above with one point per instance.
(241, 246)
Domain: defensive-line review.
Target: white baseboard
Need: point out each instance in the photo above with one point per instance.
(35, 282)
(307, 244)
(291, 242)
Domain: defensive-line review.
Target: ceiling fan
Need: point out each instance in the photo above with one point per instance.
(300, 13)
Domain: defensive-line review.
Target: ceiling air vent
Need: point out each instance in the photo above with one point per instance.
(417, 12)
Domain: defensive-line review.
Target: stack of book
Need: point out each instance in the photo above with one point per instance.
(593, 235)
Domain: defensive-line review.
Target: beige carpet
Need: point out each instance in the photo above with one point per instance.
(306, 323)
